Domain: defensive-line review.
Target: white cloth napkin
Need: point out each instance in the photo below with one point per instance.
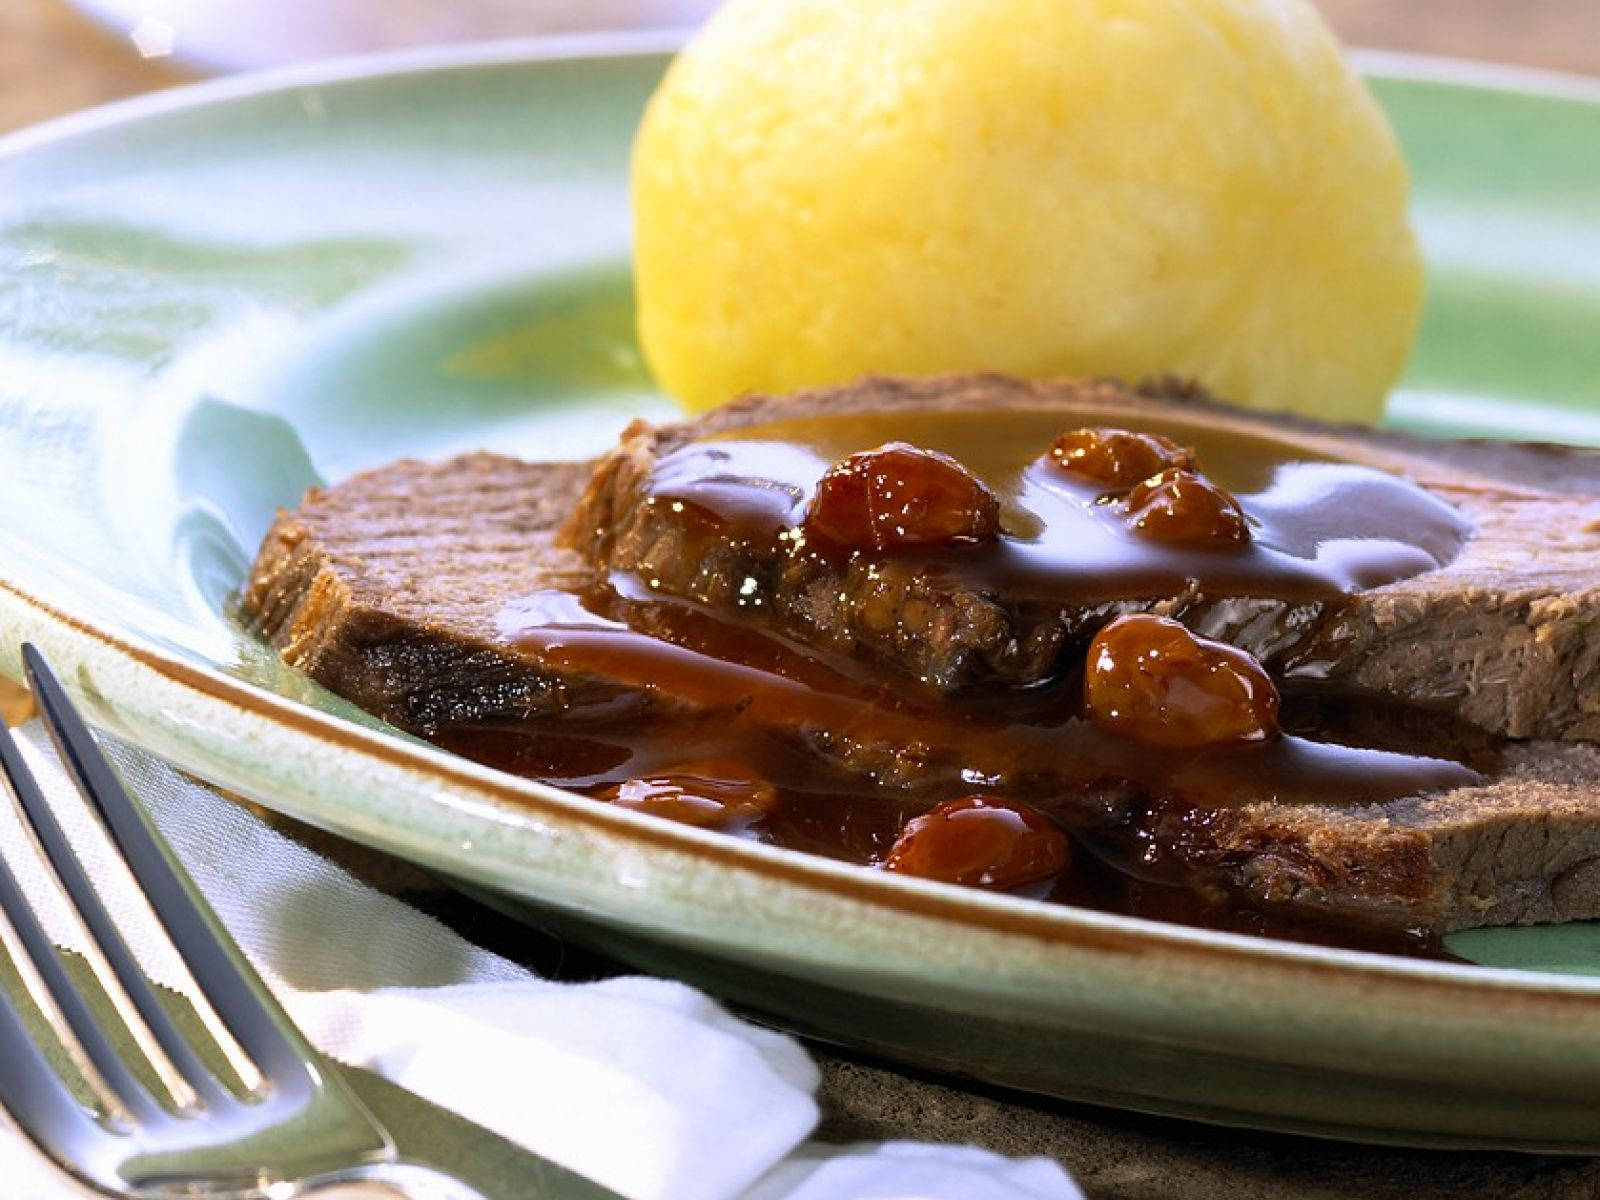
(707, 1106)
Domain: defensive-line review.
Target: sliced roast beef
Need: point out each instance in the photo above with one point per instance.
(1506, 634)
(407, 590)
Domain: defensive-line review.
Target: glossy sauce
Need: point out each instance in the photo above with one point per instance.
(744, 685)
(721, 691)
(845, 761)
(1320, 530)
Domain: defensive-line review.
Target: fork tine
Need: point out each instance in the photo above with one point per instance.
(63, 860)
(83, 1024)
(34, 1094)
(231, 986)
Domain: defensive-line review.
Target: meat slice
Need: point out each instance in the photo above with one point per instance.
(392, 589)
(1506, 636)
(388, 587)
(1523, 848)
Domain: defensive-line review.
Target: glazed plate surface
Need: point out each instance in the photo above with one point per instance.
(213, 298)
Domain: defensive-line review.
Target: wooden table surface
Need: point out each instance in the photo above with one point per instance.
(53, 62)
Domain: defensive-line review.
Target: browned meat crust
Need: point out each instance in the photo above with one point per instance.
(388, 588)
(1507, 637)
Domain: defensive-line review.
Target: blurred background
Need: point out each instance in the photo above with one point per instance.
(61, 55)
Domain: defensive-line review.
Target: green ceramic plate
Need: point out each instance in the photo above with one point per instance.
(212, 298)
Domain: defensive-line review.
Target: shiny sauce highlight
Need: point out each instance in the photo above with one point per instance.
(847, 759)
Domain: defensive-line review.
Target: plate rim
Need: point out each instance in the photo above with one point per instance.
(915, 897)
(1062, 925)
(543, 48)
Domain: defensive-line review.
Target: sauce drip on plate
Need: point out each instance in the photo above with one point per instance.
(745, 729)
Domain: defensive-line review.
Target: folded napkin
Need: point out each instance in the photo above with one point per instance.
(643, 1085)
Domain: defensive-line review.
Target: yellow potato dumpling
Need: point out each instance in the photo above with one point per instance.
(823, 188)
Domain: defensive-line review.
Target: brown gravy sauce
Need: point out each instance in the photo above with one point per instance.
(852, 758)
(748, 684)
(1320, 530)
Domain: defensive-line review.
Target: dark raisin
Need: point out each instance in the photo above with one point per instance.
(1118, 458)
(900, 496)
(982, 842)
(1150, 679)
(711, 794)
(1181, 508)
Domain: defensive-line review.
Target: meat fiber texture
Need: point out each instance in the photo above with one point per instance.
(390, 589)
(1506, 637)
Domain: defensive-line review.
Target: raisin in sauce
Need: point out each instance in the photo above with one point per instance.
(1321, 530)
(840, 758)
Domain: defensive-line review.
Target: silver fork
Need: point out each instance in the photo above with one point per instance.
(298, 1129)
